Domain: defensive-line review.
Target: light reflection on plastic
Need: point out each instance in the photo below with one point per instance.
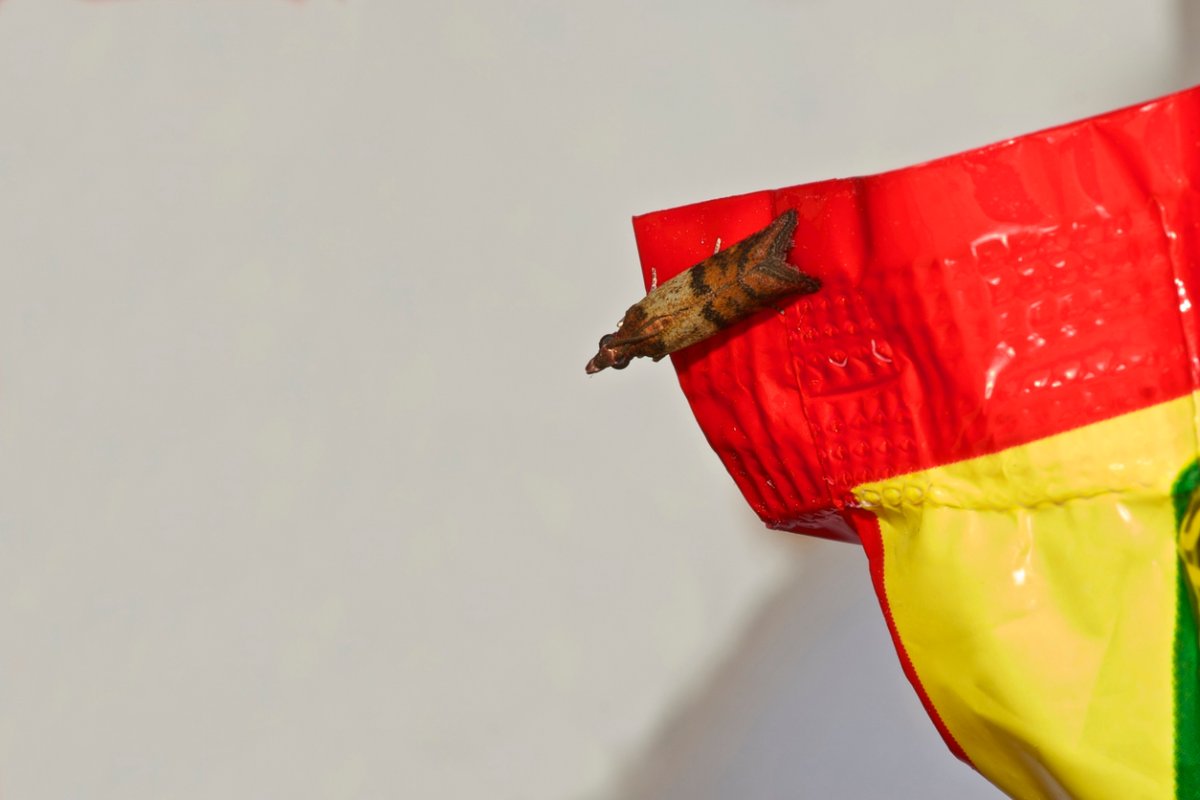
(1184, 303)
(1004, 354)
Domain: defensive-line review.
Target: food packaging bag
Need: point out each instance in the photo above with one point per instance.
(994, 394)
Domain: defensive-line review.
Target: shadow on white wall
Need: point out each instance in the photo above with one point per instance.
(778, 719)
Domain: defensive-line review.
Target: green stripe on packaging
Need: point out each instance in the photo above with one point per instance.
(1187, 662)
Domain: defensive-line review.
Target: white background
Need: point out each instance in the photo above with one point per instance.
(303, 490)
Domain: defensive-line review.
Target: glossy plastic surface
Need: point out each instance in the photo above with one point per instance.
(993, 392)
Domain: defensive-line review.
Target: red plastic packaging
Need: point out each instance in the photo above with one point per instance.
(995, 392)
(1070, 239)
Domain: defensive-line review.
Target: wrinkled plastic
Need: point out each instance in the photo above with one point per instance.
(995, 393)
